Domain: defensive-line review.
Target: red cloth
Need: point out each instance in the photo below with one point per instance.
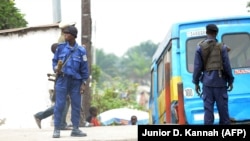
(95, 121)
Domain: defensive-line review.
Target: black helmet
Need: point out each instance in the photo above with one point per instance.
(71, 30)
(212, 27)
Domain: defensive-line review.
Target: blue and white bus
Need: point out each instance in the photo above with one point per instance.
(173, 98)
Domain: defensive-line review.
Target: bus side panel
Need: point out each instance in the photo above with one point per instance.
(153, 102)
(162, 107)
(175, 70)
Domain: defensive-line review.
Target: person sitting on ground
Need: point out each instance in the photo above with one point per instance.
(92, 119)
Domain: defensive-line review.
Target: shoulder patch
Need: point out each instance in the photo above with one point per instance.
(84, 57)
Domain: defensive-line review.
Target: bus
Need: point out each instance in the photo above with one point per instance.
(173, 99)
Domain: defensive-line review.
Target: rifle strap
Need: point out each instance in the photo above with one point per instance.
(69, 57)
(64, 63)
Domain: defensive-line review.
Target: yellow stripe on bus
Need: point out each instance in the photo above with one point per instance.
(161, 98)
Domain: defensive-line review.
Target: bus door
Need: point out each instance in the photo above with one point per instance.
(237, 37)
(189, 38)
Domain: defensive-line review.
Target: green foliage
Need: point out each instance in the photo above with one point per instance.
(107, 62)
(137, 61)
(146, 48)
(10, 16)
(134, 65)
(95, 72)
(121, 76)
(111, 97)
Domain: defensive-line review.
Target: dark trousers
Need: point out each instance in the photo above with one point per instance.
(218, 95)
(50, 111)
(67, 86)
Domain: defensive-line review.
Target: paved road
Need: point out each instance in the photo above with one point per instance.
(102, 133)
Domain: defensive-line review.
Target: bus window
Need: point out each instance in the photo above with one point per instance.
(191, 48)
(161, 68)
(160, 76)
(240, 49)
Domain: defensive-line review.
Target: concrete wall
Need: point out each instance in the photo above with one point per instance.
(25, 60)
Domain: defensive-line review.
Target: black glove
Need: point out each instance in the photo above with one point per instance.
(230, 87)
(198, 89)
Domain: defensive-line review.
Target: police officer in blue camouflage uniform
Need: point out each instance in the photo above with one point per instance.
(212, 68)
(71, 79)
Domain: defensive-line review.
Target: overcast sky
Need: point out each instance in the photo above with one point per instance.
(121, 24)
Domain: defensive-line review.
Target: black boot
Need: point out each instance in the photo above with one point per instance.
(38, 121)
(56, 133)
(77, 133)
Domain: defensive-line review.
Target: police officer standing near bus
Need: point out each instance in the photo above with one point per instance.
(212, 68)
(71, 79)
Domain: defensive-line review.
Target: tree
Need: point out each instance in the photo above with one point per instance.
(96, 72)
(134, 65)
(137, 61)
(108, 63)
(111, 97)
(137, 67)
(10, 16)
(118, 85)
(147, 48)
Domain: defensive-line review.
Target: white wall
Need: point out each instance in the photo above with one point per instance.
(25, 60)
